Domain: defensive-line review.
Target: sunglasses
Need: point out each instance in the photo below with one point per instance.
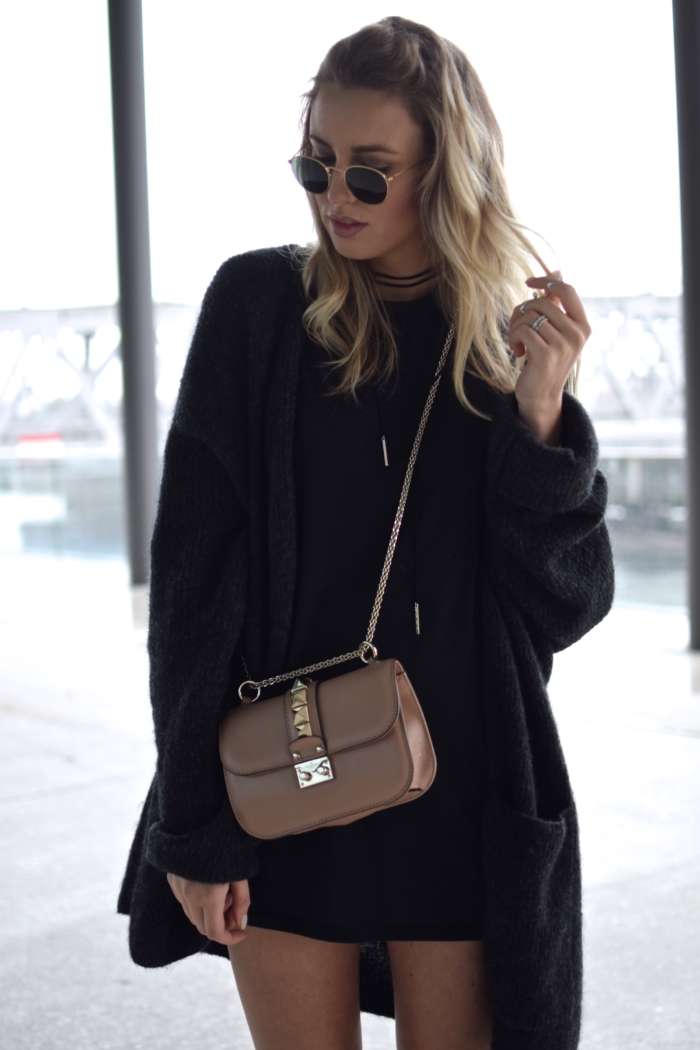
(366, 184)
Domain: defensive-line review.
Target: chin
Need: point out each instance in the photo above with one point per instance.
(354, 251)
(352, 248)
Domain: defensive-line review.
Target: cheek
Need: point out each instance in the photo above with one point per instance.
(400, 214)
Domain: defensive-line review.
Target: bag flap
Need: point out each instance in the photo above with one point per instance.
(353, 709)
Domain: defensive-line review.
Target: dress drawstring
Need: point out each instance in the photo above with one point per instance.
(382, 435)
(385, 455)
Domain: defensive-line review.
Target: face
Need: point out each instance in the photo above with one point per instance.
(356, 126)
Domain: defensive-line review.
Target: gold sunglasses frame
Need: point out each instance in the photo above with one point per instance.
(341, 171)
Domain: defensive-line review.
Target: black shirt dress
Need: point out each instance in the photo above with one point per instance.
(413, 872)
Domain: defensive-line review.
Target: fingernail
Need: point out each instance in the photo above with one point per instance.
(244, 921)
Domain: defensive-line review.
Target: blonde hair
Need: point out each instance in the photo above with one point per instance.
(479, 247)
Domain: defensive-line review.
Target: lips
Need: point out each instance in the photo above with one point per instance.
(344, 226)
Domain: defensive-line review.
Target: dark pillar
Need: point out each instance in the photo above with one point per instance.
(135, 304)
(686, 28)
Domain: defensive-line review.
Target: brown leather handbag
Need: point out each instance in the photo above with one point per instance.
(328, 753)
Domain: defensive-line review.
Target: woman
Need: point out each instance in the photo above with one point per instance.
(459, 913)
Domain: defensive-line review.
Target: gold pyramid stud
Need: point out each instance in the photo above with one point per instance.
(304, 730)
(301, 716)
(297, 702)
(298, 686)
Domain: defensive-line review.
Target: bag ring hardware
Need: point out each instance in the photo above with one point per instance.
(373, 653)
(251, 698)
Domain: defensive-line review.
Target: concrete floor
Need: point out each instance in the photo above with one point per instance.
(75, 759)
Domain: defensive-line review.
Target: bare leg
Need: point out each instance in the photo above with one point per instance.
(298, 993)
(440, 995)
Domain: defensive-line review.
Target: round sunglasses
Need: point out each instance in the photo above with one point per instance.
(366, 184)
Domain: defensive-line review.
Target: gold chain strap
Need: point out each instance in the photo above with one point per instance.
(366, 650)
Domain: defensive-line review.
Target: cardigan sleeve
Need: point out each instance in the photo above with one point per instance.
(547, 545)
(198, 593)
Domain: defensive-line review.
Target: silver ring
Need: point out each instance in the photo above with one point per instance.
(550, 284)
(536, 325)
(523, 307)
(366, 648)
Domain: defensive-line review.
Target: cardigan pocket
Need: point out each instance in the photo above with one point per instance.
(532, 930)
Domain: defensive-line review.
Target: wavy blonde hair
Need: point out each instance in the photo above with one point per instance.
(481, 250)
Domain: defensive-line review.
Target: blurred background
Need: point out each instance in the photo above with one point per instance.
(585, 96)
(586, 99)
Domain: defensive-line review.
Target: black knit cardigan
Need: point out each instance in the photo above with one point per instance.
(222, 581)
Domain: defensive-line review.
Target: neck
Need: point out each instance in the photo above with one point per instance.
(399, 294)
(403, 274)
(394, 284)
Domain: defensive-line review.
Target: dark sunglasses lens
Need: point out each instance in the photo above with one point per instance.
(310, 174)
(368, 186)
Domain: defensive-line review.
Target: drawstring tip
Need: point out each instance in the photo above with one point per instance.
(386, 456)
(417, 615)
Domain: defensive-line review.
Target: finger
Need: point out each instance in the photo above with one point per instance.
(553, 277)
(554, 331)
(519, 339)
(520, 309)
(198, 919)
(240, 894)
(559, 326)
(548, 356)
(556, 318)
(566, 293)
(529, 342)
(552, 292)
(545, 285)
(214, 925)
(229, 917)
(186, 894)
(211, 923)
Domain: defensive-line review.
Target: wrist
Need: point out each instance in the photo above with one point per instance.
(543, 417)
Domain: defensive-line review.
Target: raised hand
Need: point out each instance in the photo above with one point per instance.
(552, 330)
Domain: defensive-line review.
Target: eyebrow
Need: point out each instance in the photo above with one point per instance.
(376, 148)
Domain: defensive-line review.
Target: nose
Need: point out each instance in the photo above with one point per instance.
(338, 192)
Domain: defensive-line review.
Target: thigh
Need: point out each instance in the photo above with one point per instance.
(298, 993)
(440, 995)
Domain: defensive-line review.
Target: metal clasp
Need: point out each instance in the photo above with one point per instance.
(315, 771)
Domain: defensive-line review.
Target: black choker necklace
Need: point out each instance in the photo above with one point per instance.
(410, 281)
